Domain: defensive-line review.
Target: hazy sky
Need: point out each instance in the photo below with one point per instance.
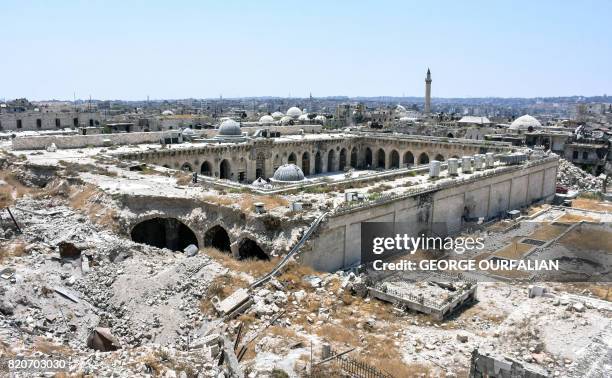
(177, 49)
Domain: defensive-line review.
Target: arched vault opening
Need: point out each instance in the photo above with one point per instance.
(250, 250)
(217, 237)
(164, 233)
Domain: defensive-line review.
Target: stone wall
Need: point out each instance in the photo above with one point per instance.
(338, 243)
(35, 121)
(81, 141)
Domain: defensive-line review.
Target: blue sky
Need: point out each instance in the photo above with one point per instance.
(177, 49)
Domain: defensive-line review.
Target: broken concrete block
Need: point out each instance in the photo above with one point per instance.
(462, 338)
(102, 339)
(190, 250)
(232, 302)
(537, 291)
(84, 264)
(578, 307)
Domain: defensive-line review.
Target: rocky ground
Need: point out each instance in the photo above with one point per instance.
(69, 274)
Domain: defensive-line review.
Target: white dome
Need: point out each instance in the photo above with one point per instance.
(286, 120)
(229, 128)
(294, 112)
(525, 122)
(188, 132)
(320, 118)
(303, 117)
(400, 109)
(288, 172)
(167, 112)
(277, 115)
(266, 119)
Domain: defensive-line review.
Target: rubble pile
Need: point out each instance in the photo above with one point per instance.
(574, 178)
(75, 279)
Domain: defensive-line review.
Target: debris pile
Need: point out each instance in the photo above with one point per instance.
(573, 178)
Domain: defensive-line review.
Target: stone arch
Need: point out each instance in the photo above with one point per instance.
(318, 162)
(292, 159)
(164, 233)
(331, 158)
(206, 169)
(248, 249)
(439, 157)
(395, 159)
(217, 237)
(380, 158)
(423, 158)
(368, 157)
(450, 135)
(342, 163)
(408, 159)
(225, 169)
(354, 157)
(186, 167)
(306, 163)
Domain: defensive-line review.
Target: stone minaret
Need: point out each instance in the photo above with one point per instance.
(428, 92)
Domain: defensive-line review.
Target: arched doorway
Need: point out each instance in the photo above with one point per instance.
(164, 233)
(306, 163)
(439, 157)
(225, 170)
(342, 163)
(408, 159)
(354, 157)
(395, 160)
(331, 157)
(380, 158)
(368, 157)
(260, 165)
(318, 168)
(250, 250)
(450, 135)
(292, 159)
(423, 158)
(186, 167)
(206, 169)
(217, 237)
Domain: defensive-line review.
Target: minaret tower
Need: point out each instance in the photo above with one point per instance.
(428, 92)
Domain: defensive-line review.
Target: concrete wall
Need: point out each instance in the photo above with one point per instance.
(33, 121)
(337, 243)
(80, 141)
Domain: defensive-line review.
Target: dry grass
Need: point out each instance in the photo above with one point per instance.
(337, 334)
(575, 218)
(49, 348)
(253, 267)
(87, 199)
(12, 249)
(591, 204)
(293, 276)
(13, 189)
(182, 178)
(588, 238)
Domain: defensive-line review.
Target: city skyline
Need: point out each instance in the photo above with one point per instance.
(279, 49)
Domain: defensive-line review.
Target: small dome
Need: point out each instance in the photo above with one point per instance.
(303, 117)
(288, 173)
(266, 119)
(188, 132)
(167, 112)
(277, 115)
(229, 128)
(400, 109)
(524, 122)
(286, 120)
(294, 112)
